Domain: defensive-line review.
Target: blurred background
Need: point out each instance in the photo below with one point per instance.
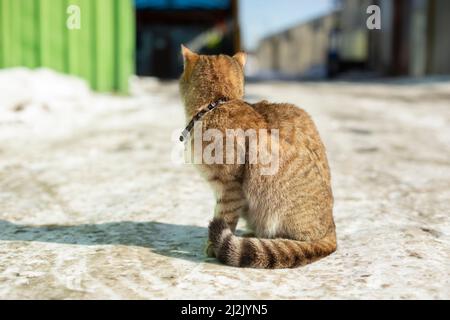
(286, 39)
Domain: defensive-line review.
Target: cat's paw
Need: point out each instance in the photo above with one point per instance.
(209, 249)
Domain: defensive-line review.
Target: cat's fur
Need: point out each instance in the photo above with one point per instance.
(290, 212)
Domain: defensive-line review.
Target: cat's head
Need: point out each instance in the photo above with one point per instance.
(208, 78)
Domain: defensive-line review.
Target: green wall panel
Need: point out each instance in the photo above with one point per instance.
(34, 33)
(125, 52)
(30, 32)
(16, 52)
(74, 38)
(1, 36)
(105, 43)
(5, 25)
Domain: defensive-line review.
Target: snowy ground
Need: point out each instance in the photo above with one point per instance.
(91, 205)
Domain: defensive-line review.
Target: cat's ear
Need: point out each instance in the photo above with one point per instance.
(188, 55)
(241, 58)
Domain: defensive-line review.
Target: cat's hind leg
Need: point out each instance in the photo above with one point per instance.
(231, 203)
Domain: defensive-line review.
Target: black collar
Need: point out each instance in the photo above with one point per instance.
(199, 115)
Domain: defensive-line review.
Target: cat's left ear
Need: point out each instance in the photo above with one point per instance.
(188, 55)
(241, 58)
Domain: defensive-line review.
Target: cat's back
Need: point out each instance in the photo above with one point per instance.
(297, 132)
(284, 115)
(235, 114)
(295, 125)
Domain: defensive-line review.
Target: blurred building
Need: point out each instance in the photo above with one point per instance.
(414, 38)
(300, 50)
(208, 27)
(413, 41)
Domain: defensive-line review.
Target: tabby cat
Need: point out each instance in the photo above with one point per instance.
(290, 213)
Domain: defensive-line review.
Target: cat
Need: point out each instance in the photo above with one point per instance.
(289, 213)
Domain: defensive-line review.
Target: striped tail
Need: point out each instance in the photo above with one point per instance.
(266, 253)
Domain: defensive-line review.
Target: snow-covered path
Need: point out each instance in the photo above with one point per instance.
(91, 205)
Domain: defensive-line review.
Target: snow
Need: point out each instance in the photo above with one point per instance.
(91, 205)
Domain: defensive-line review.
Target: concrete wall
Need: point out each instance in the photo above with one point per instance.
(297, 50)
(354, 44)
(381, 53)
(413, 41)
(418, 38)
(417, 43)
(439, 61)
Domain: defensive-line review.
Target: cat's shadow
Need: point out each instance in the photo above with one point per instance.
(172, 240)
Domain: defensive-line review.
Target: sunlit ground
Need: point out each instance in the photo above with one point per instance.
(91, 205)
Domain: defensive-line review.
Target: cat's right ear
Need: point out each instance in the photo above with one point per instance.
(189, 57)
(241, 58)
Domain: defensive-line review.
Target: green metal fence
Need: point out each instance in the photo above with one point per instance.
(34, 33)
